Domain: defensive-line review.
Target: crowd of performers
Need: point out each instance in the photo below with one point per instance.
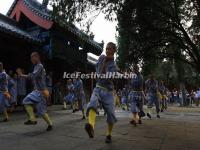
(14, 87)
(132, 97)
(75, 96)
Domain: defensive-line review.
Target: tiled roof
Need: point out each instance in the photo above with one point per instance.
(34, 6)
(9, 26)
(37, 8)
(82, 35)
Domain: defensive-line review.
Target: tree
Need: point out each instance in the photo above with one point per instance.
(83, 12)
(157, 27)
(148, 29)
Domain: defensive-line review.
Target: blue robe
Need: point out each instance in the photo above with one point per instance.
(3, 88)
(103, 92)
(152, 89)
(70, 97)
(79, 93)
(21, 86)
(12, 89)
(36, 97)
(124, 96)
(136, 95)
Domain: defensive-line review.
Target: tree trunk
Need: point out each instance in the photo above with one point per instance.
(183, 100)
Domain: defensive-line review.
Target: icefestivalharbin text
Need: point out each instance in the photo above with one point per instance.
(94, 75)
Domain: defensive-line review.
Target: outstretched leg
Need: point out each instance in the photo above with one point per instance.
(6, 117)
(48, 121)
(31, 115)
(89, 127)
(109, 132)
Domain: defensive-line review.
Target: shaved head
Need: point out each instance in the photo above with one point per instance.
(35, 57)
(111, 48)
(112, 45)
(35, 54)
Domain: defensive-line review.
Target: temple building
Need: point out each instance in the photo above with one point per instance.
(16, 44)
(29, 27)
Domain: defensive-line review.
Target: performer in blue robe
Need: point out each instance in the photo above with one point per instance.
(103, 93)
(69, 98)
(137, 97)
(124, 98)
(39, 95)
(151, 86)
(21, 86)
(163, 92)
(12, 89)
(80, 95)
(4, 94)
(49, 84)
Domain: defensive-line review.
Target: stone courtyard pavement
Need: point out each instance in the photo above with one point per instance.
(177, 129)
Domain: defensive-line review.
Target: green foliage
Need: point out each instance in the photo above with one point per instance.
(158, 29)
(83, 12)
(150, 31)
